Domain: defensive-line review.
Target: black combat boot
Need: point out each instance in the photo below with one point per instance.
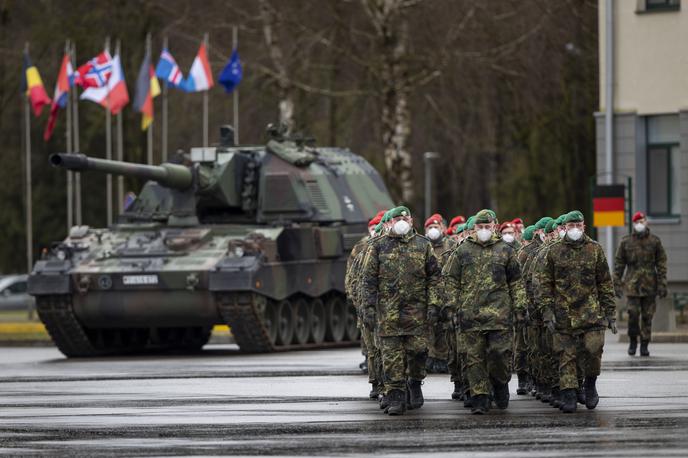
(467, 399)
(441, 366)
(643, 348)
(555, 401)
(580, 394)
(415, 394)
(633, 345)
(364, 366)
(375, 391)
(480, 404)
(384, 401)
(501, 395)
(538, 391)
(522, 384)
(430, 365)
(457, 395)
(591, 396)
(546, 394)
(568, 400)
(397, 403)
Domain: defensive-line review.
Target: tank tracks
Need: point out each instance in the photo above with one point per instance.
(247, 316)
(75, 340)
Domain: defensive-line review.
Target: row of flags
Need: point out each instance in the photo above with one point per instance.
(102, 80)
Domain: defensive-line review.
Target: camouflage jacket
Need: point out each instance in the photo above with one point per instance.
(643, 258)
(353, 264)
(483, 281)
(525, 257)
(573, 284)
(442, 246)
(400, 279)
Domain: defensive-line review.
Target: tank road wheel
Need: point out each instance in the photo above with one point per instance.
(336, 319)
(318, 322)
(352, 331)
(285, 323)
(302, 325)
(270, 320)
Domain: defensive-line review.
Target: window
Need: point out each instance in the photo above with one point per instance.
(663, 166)
(644, 6)
(18, 288)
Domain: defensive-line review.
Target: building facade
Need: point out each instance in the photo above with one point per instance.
(647, 84)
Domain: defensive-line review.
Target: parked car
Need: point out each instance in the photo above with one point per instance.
(13, 295)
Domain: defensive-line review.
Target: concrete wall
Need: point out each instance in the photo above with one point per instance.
(651, 62)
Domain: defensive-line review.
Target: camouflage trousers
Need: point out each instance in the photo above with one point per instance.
(641, 309)
(403, 358)
(373, 355)
(532, 338)
(488, 362)
(520, 350)
(547, 359)
(580, 355)
(457, 357)
(438, 347)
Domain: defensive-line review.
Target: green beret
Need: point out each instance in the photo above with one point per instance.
(560, 220)
(485, 216)
(398, 211)
(529, 233)
(378, 228)
(574, 216)
(542, 222)
(549, 227)
(470, 224)
(459, 229)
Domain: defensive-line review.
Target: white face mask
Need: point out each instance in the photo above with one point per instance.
(508, 238)
(433, 233)
(401, 227)
(562, 233)
(574, 233)
(639, 227)
(484, 235)
(542, 236)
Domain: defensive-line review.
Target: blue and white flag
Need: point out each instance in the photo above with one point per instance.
(168, 70)
(231, 75)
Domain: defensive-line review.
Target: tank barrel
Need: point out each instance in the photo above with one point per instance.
(169, 175)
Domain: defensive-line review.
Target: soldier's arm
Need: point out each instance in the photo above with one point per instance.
(543, 285)
(661, 265)
(517, 289)
(605, 287)
(451, 279)
(433, 283)
(619, 263)
(369, 279)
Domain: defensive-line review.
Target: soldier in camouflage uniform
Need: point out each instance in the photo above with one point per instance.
(483, 278)
(351, 285)
(400, 297)
(438, 350)
(456, 360)
(642, 256)
(574, 287)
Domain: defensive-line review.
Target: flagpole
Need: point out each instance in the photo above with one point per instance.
(75, 138)
(235, 93)
(149, 134)
(29, 206)
(205, 96)
(108, 148)
(68, 139)
(120, 151)
(164, 112)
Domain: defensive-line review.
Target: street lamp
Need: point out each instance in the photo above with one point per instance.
(428, 157)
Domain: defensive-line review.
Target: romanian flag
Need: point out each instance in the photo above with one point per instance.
(147, 88)
(609, 205)
(33, 85)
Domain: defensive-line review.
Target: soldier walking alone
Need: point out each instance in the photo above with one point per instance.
(642, 257)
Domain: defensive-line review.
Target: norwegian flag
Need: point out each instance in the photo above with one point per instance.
(96, 72)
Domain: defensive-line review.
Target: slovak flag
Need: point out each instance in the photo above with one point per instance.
(95, 72)
(115, 95)
(168, 70)
(200, 78)
(64, 79)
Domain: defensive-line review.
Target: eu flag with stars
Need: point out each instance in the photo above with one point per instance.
(231, 75)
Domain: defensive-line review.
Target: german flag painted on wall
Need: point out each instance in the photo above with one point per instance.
(609, 205)
(33, 85)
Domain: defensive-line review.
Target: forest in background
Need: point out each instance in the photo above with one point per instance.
(504, 90)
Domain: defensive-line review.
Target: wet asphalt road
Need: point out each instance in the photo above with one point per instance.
(222, 402)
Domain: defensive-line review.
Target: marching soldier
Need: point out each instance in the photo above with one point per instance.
(642, 257)
(399, 296)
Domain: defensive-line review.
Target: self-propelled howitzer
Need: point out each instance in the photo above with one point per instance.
(255, 237)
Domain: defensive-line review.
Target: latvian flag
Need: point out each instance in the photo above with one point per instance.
(609, 205)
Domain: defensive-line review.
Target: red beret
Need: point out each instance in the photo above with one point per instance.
(434, 219)
(517, 221)
(457, 220)
(450, 230)
(377, 218)
(505, 225)
(638, 215)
